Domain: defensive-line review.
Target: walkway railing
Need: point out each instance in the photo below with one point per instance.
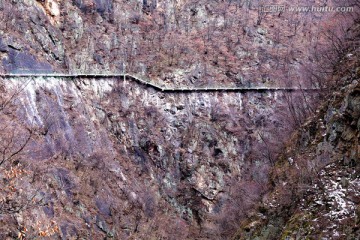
(155, 86)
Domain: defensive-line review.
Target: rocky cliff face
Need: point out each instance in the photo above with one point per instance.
(111, 157)
(108, 158)
(173, 42)
(315, 191)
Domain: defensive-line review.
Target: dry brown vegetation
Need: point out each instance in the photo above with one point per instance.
(226, 42)
(18, 197)
(298, 168)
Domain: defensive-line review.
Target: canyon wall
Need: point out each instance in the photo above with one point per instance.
(115, 157)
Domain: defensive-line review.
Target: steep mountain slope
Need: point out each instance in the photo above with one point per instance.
(98, 158)
(115, 158)
(174, 42)
(315, 193)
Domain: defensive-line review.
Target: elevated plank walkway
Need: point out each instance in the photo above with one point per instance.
(155, 86)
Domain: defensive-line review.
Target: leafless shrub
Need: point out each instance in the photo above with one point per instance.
(16, 193)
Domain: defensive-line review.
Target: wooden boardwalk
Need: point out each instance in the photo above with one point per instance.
(155, 86)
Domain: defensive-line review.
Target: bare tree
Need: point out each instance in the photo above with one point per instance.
(17, 196)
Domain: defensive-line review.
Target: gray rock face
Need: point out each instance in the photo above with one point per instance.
(20, 62)
(161, 40)
(127, 157)
(104, 6)
(17, 60)
(327, 204)
(118, 160)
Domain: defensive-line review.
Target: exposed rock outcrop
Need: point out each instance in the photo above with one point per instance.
(114, 158)
(315, 192)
